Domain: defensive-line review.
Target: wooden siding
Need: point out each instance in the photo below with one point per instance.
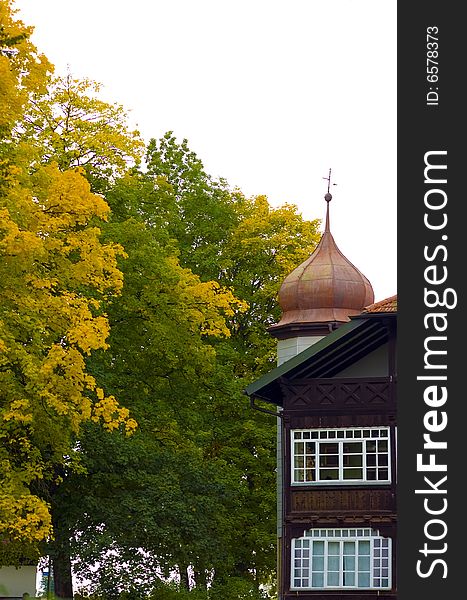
(361, 501)
(339, 395)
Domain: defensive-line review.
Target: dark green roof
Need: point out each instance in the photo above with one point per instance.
(331, 354)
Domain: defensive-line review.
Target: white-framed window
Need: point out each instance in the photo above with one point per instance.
(341, 558)
(346, 455)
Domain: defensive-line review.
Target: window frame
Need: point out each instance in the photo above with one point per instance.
(341, 436)
(380, 550)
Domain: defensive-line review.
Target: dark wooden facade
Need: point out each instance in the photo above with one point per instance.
(311, 401)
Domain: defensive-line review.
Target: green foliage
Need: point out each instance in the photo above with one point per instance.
(215, 504)
(163, 303)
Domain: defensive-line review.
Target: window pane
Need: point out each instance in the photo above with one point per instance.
(328, 448)
(363, 563)
(299, 447)
(318, 563)
(310, 447)
(309, 475)
(325, 474)
(353, 460)
(299, 462)
(349, 548)
(333, 579)
(318, 549)
(329, 460)
(317, 580)
(383, 474)
(334, 548)
(364, 548)
(333, 563)
(349, 579)
(299, 476)
(363, 580)
(353, 473)
(382, 445)
(352, 447)
(349, 563)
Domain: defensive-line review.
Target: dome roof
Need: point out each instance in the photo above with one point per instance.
(325, 289)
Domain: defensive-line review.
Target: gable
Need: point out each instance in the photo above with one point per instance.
(349, 347)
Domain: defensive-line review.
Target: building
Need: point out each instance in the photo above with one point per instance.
(334, 394)
(17, 583)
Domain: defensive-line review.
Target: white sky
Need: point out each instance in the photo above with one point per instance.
(269, 93)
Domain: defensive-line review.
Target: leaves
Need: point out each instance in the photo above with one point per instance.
(54, 275)
(71, 126)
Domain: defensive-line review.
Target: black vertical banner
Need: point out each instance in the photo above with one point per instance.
(432, 267)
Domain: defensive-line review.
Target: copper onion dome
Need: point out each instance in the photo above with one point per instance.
(324, 290)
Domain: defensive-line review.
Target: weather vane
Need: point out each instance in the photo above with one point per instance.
(328, 179)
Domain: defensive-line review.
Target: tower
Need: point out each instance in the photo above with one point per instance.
(318, 296)
(334, 389)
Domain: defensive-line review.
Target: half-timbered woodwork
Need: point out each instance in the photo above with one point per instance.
(335, 393)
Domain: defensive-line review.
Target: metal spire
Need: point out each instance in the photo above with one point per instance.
(328, 198)
(328, 179)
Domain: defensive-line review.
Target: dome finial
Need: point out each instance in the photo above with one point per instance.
(328, 198)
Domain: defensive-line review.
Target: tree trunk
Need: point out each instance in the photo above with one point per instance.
(61, 561)
(63, 585)
(200, 576)
(184, 578)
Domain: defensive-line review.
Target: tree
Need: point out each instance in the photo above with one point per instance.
(243, 243)
(249, 247)
(54, 275)
(159, 359)
(202, 268)
(205, 209)
(72, 126)
(22, 69)
(202, 400)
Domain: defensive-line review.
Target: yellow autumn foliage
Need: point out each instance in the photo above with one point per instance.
(54, 274)
(22, 69)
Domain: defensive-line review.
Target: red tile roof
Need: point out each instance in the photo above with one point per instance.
(386, 305)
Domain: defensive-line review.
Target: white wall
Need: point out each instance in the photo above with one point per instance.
(290, 347)
(14, 582)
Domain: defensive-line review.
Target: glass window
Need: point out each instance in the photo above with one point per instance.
(341, 558)
(341, 455)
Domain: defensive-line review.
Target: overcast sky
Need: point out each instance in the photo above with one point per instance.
(270, 94)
